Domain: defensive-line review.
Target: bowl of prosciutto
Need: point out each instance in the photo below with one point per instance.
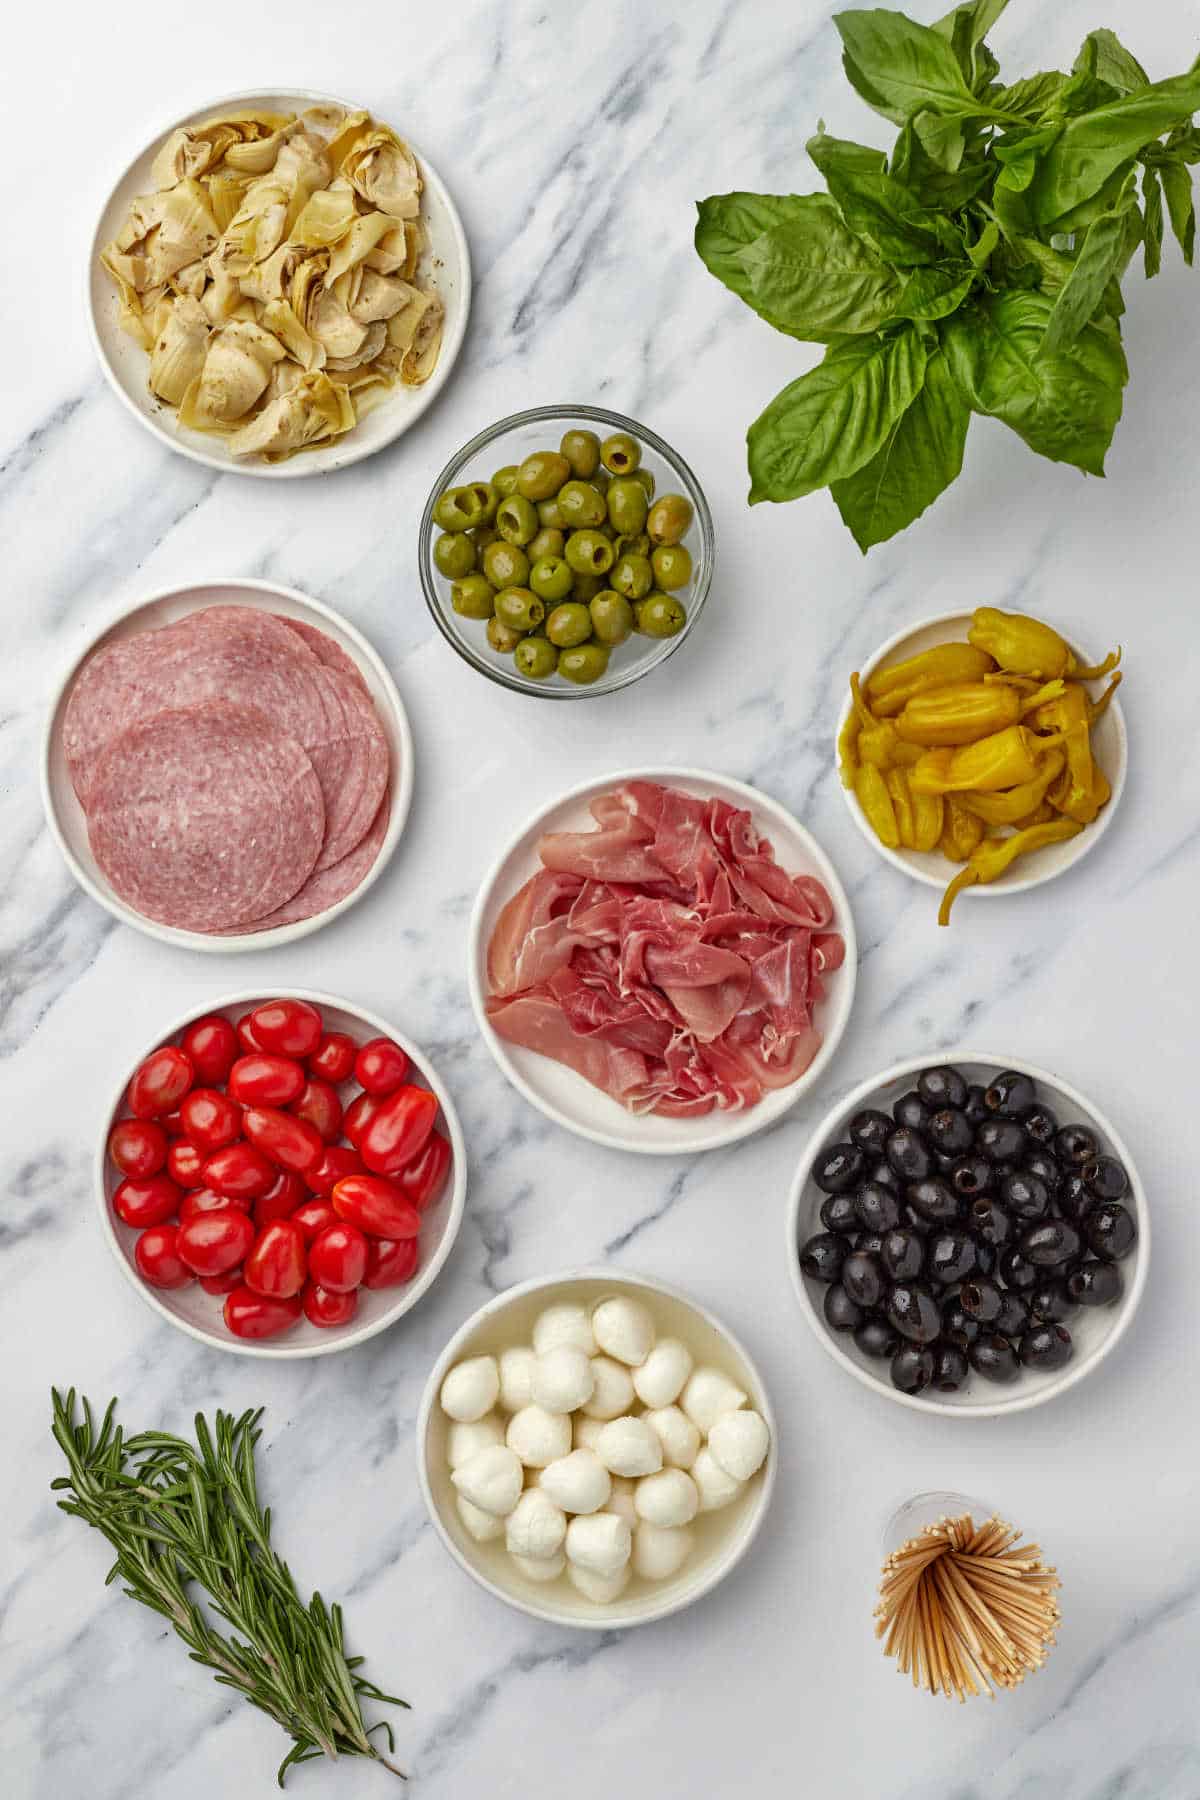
(662, 960)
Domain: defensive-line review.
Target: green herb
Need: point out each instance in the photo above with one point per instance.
(975, 269)
(179, 1514)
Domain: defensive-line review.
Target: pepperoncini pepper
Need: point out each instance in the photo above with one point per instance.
(962, 830)
(995, 855)
(1009, 807)
(1063, 798)
(1068, 715)
(1025, 646)
(889, 690)
(876, 802)
(961, 712)
(876, 740)
(1006, 759)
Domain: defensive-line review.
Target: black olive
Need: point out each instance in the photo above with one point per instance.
(1110, 1230)
(1039, 1162)
(982, 1299)
(1096, 1284)
(863, 1279)
(875, 1337)
(1016, 1272)
(951, 1257)
(949, 1368)
(877, 1208)
(957, 1323)
(1045, 1347)
(912, 1369)
(913, 1310)
(985, 1257)
(912, 1221)
(1051, 1243)
(911, 1112)
(1013, 1317)
(945, 1165)
(1105, 1179)
(1075, 1145)
(973, 1175)
(942, 1086)
(838, 1214)
(822, 1256)
(975, 1106)
(950, 1132)
(994, 1357)
(840, 1311)
(935, 1200)
(1002, 1140)
(1040, 1123)
(870, 1243)
(883, 1175)
(1051, 1301)
(1072, 1199)
(839, 1168)
(1026, 1196)
(909, 1154)
(1010, 1094)
(870, 1130)
(903, 1255)
(991, 1222)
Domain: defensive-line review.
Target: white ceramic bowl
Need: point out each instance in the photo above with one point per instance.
(66, 817)
(190, 1309)
(1095, 1331)
(446, 264)
(1109, 745)
(722, 1537)
(565, 1096)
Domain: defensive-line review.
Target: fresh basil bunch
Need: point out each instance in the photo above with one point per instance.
(976, 269)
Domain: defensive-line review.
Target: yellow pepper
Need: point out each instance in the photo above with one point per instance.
(928, 814)
(902, 805)
(1025, 646)
(958, 713)
(962, 830)
(995, 855)
(876, 802)
(1008, 808)
(888, 690)
(876, 741)
(847, 748)
(1098, 708)
(1068, 715)
(1003, 760)
(1064, 799)
(1041, 815)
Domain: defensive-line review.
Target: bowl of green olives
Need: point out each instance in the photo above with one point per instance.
(566, 551)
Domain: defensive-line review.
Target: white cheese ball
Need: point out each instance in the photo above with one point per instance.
(739, 1443)
(660, 1551)
(539, 1437)
(621, 1499)
(541, 1568)
(660, 1379)
(516, 1377)
(600, 1542)
(471, 1389)
(715, 1487)
(535, 1526)
(481, 1525)
(491, 1480)
(465, 1441)
(612, 1394)
(675, 1432)
(587, 1431)
(579, 1483)
(668, 1498)
(629, 1447)
(708, 1396)
(563, 1324)
(602, 1589)
(562, 1379)
(624, 1329)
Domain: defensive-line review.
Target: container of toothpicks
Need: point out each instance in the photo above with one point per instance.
(964, 1606)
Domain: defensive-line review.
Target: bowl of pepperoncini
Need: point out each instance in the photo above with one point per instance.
(982, 753)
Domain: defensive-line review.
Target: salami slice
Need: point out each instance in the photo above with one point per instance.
(325, 887)
(326, 649)
(203, 817)
(352, 764)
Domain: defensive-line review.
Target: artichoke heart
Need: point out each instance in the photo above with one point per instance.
(327, 217)
(373, 342)
(256, 155)
(332, 326)
(313, 411)
(303, 163)
(236, 369)
(374, 296)
(279, 319)
(383, 169)
(179, 350)
(183, 156)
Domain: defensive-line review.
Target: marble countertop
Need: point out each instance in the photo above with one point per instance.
(575, 138)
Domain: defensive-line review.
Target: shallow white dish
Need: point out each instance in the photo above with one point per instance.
(66, 817)
(722, 1537)
(447, 262)
(565, 1096)
(190, 1309)
(1095, 1331)
(1109, 744)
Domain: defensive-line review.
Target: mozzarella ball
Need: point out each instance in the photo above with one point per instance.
(660, 1551)
(491, 1480)
(739, 1443)
(668, 1498)
(600, 1542)
(715, 1486)
(516, 1377)
(587, 1431)
(629, 1447)
(624, 1329)
(471, 1389)
(465, 1441)
(621, 1499)
(564, 1324)
(612, 1394)
(579, 1483)
(602, 1589)
(562, 1379)
(481, 1525)
(539, 1437)
(535, 1526)
(708, 1396)
(675, 1432)
(660, 1379)
(541, 1568)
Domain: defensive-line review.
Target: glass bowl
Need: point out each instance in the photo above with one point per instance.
(510, 441)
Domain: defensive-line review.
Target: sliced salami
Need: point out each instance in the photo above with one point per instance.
(352, 764)
(325, 887)
(326, 649)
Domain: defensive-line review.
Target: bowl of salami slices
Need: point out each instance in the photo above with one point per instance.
(227, 766)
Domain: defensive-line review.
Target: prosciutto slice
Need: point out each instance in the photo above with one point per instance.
(665, 955)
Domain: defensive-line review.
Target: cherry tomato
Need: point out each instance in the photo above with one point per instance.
(333, 1058)
(397, 1131)
(320, 1105)
(221, 1284)
(261, 1079)
(158, 1260)
(291, 1027)
(202, 1200)
(276, 1265)
(338, 1161)
(282, 1200)
(210, 1120)
(423, 1179)
(185, 1164)
(160, 1082)
(323, 1306)
(138, 1146)
(291, 1143)
(376, 1207)
(358, 1115)
(172, 1124)
(215, 1242)
(245, 1035)
(251, 1315)
(391, 1261)
(337, 1258)
(313, 1218)
(380, 1066)
(211, 1043)
(240, 1171)
(146, 1200)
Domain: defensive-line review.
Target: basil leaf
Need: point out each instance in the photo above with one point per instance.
(877, 207)
(813, 278)
(1152, 209)
(1177, 186)
(1033, 97)
(943, 190)
(1089, 149)
(1054, 269)
(836, 418)
(1103, 55)
(966, 27)
(1100, 255)
(1065, 406)
(901, 68)
(934, 293)
(921, 456)
(726, 223)
(941, 139)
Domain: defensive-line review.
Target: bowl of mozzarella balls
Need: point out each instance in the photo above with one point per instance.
(596, 1450)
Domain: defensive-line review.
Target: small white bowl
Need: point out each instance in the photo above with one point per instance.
(447, 263)
(1095, 1331)
(1109, 744)
(722, 1537)
(190, 1309)
(566, 1097)
(66, 818)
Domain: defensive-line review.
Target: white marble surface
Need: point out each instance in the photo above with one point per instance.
(576, 137)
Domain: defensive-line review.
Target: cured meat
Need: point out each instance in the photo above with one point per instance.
(203, 817)
(665, 956)
(325, 887)
(326, 649)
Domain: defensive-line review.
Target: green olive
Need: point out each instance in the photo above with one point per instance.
(519, 608)
(569, 624)
(584, 664)
(505, 564)
(627, 505)
(502, 637)
(542, 474)
(550, 516)
(473, 597)
(483, 535)
(633, 577)
(600, 479)
(551, 579)
(505, 480)
(548, 542)
(660, 616)
(454, 554)
(620, 453)
(582, 451)
(635, 543)
(589, 553)
(483, 497)
(669, 518)
(612, 616)
(453, 510)
(672, 565)
(516, 519)
(536, 657)
(647, 481)
(581, 504)
(587, 587)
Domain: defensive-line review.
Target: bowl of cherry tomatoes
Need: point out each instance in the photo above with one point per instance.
(281, 1175)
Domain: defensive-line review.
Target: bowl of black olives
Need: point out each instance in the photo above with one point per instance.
(968, 1237)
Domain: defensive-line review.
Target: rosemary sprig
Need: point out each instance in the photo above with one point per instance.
(179, 1514)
